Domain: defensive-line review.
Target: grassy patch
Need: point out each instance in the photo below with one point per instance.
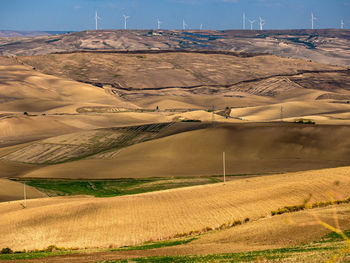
(334, 237)
(328, 246)
(296, 254)
(110, 188)
(254, 256)
(36, 254)
(160, 244)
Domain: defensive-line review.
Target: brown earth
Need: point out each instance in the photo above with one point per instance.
(250, 149)
(11, 190)
(325, 45)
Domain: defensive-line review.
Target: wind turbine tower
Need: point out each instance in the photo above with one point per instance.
(125, 20)
(261, 23)
(159, 23)
(184, 25)
(244, 21)
(313, 18)
(342, 24)
(96, 19)
(251, 24)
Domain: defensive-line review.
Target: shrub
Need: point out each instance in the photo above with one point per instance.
(223, 226)
(6, 250)
(52, 248)
(246, 220)
(191, 121)
(237, 222)
(207, 229)
(304, 121)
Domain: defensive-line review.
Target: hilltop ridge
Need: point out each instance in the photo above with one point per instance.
(328, 46)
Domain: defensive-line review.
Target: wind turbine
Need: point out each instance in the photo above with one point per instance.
(342, 24)
(261, 23)
(159, 23)
(313, 18)
(96, 19)
(244, 21)
(184, 25)
(125, 19)
(251, 24)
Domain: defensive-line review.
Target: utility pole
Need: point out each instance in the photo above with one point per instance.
(213, 117)
(224, 165)
(282, 113)
(25, 195)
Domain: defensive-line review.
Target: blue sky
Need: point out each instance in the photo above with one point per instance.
(76, 15)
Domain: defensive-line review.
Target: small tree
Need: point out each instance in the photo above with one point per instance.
(6, 250)
(25, 113)
(227, 112)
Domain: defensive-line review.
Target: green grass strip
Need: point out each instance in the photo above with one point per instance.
(156, 245)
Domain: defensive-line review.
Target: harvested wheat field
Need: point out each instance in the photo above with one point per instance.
(289, 230)
(130, 220)
(250, 149)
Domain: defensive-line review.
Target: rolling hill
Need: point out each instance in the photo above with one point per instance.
(194, 80)
(153, 110)
(131, 220)
(250, 149)
(325, 45)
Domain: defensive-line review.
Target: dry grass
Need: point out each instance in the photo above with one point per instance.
(129, 220)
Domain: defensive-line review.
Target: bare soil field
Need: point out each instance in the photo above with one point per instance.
(130, 220)
(13, 191)
(197, 81)
(34, 105)
(250, 149)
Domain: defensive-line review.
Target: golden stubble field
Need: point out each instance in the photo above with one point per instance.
(129, 220)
